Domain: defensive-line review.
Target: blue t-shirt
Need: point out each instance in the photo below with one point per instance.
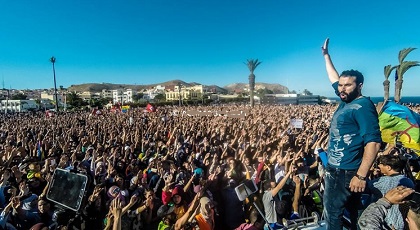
(353, 125)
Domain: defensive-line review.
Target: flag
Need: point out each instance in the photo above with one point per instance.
(150, 108)
(395, 119)
(125, 108)
(116, 108)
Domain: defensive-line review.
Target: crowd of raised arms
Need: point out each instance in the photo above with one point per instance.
(157, 171)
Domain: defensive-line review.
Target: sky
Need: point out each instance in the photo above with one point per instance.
(205, 41)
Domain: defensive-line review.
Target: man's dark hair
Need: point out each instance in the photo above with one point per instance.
(267, 184)
(394, 161)
(353, 73)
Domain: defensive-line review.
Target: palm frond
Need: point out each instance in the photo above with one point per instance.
(387, 70)
(252, 64)
(403, 54)
(406, 65)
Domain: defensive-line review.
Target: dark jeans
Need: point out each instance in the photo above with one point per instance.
(337, 197)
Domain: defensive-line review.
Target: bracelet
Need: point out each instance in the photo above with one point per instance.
(360, 177)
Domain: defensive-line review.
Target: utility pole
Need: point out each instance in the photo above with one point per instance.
(179, 93)
(7, 102)
(5, 107)
(52, 59)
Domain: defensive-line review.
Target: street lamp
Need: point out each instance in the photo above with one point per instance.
(179, 93)
(52, 60)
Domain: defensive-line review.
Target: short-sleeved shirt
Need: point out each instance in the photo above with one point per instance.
(269, 209)
(353, 125)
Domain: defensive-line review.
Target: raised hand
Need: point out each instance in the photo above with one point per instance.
(324, 48)
(297, 180)
(116, 207)
(95, 194)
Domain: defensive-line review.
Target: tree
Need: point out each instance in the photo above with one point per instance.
(387, 71)
(137, 97)
(307, 92)
(401, 69)
(160, 97)
(19, 96)
(74, 100)
(252, 65)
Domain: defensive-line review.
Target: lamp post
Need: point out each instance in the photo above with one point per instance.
(52, 60)
(179, 93)
(6, 108)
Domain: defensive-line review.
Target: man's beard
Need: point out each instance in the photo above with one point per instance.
(349, 97)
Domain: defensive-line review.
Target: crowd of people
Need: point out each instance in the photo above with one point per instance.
(162, 170)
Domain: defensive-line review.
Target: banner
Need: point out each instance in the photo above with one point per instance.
(296, 123)
(396, 119)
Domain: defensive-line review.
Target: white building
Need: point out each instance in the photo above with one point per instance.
(122, 96)
(18, 105)
(150, 94)
(106, 93)
(60, 97)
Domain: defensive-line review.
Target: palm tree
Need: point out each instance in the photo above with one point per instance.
(73, 99)
(401, 69)
(52, 60)
(252, 65)
(387, 71)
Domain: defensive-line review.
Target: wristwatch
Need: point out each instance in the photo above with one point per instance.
(360, 177)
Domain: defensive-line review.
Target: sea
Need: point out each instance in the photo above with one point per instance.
(414, 100)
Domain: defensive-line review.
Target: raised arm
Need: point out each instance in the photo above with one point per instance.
(331, 71)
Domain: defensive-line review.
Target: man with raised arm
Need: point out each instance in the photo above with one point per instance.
(353, 145)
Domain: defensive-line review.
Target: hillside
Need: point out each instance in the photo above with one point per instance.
(98, 87)
(239, 87)
(235, 87)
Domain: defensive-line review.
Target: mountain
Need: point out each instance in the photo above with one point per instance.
(244, 87)
(98, 87)
(236, 87)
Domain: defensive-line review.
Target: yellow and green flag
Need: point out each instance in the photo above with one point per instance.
(396, 119)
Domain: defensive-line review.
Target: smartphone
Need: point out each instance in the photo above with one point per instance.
(153, 170)
(53, 162)
(413, 198)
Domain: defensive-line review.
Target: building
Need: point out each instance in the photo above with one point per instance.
(122, 96)
(17, 106)
(290, 99)
(106, 93)
(87, 95)
(150, 94)
(195, 92)
(309, 99)
(47, 96)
